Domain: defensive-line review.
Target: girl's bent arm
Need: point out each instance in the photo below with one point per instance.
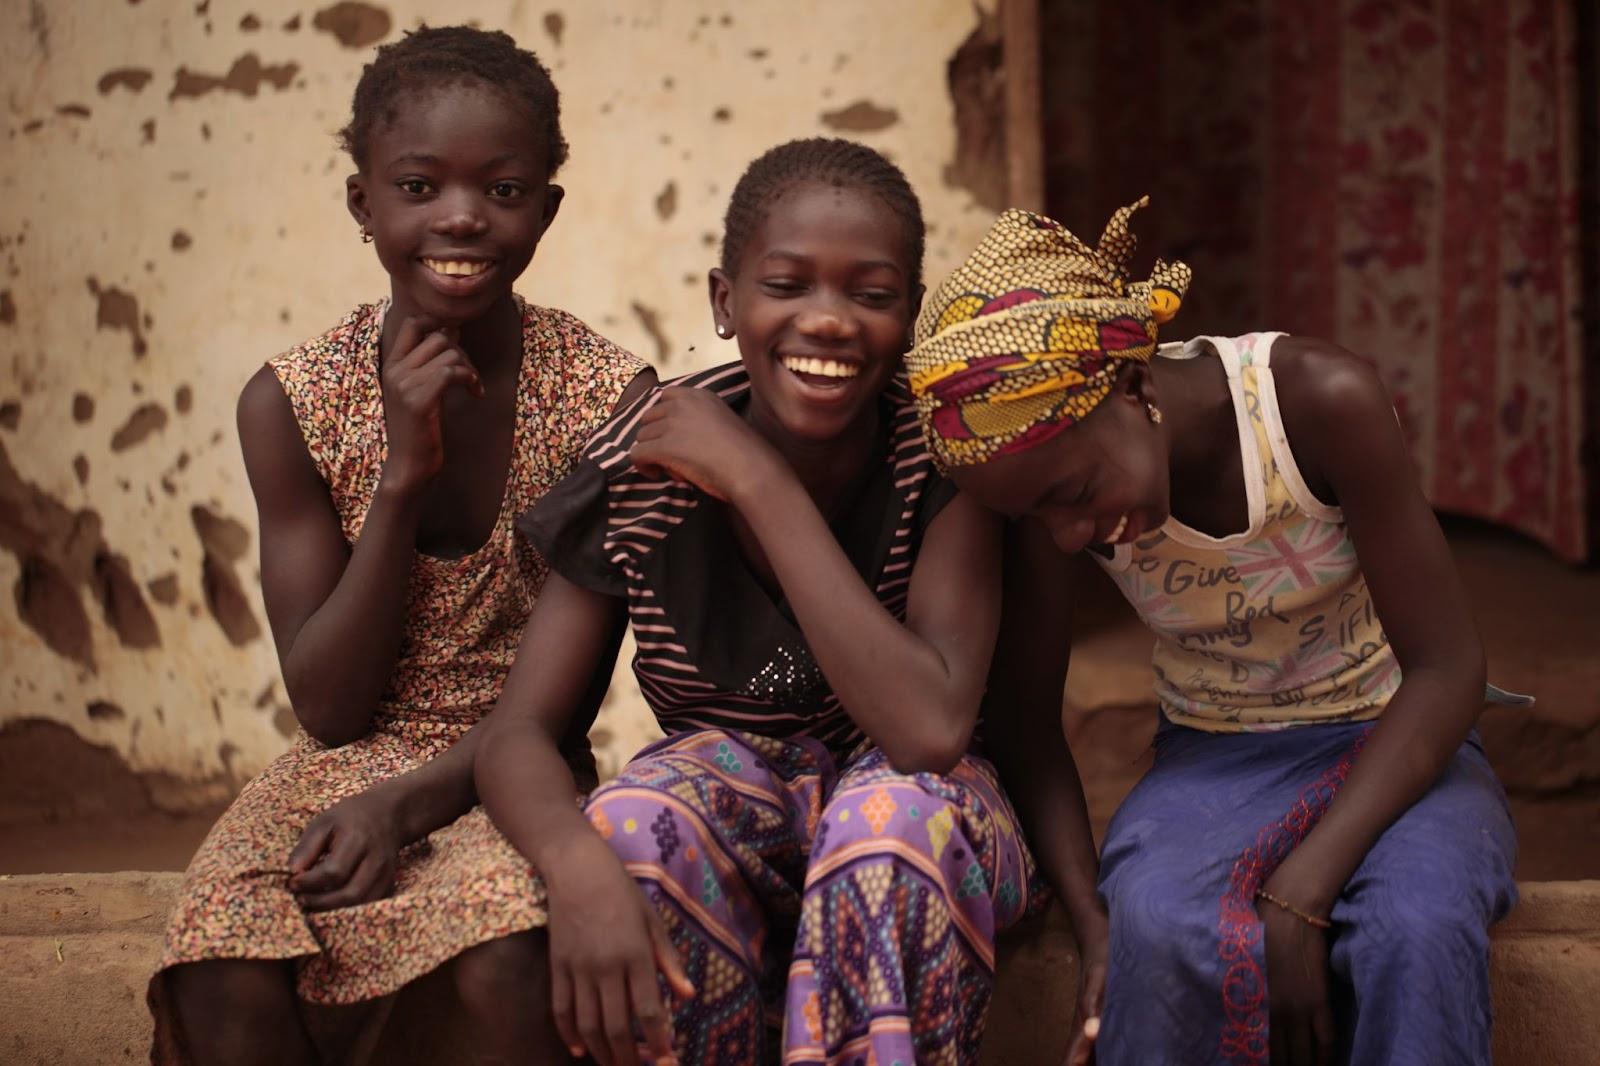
(336, 613)
(1341, 420)
(1023, 727)
(915, 689)
(606, 943)
(524, 782)
(1023, 718)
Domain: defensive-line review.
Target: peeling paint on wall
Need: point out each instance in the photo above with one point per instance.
(115, 309)
(184, 160)
(353, 25)
(245, 78)
(863, 116)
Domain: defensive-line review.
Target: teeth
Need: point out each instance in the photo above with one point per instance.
(1115, 534)
(456, 267)
(824, 368)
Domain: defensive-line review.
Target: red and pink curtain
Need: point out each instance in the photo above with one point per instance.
(1401, 176)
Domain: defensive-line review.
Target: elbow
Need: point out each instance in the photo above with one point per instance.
(331, 736)
(328, 730)
(327, 721)
(936, 748)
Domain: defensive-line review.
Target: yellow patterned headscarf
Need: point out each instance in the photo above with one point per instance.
(1027, 336)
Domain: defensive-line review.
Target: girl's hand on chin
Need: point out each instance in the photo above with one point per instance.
(425, 361)
(691, 435)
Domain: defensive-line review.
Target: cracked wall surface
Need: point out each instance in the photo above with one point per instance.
(171, 215)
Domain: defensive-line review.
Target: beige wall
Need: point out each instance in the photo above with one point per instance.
(171, 213)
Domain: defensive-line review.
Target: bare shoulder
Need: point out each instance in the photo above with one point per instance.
(1321, 384)
(642, 382)
(276, 458)
(263, 406)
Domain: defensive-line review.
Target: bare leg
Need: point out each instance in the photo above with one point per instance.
(504, 988)
(241, 1012)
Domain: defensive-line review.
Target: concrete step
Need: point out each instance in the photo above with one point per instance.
(78, 950)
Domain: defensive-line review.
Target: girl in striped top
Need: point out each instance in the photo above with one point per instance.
(815, 611)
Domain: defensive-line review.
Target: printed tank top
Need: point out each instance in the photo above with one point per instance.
(1273, 626)
(464, 616)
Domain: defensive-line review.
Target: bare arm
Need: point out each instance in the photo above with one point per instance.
(1344, 426)
(915, 688)
(606, 943)
(1022, 719)
(1349, 446)
(1022, 722)
(336, 613)
(525, 783)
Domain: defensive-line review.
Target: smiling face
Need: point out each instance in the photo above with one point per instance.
(1100, 481)
(821, 304)
(456, 193)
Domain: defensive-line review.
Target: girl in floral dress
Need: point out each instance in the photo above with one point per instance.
(389, 458)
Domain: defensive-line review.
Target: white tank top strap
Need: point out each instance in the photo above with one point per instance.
(1194, 347)
(1278, 439)
(1254, 463)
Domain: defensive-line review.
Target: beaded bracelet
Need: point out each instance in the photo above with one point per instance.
(1310, 919)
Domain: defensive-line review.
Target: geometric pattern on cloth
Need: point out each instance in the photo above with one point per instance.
(1027, 336)
(852, 904)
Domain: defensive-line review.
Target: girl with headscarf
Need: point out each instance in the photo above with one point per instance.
(1309, 870)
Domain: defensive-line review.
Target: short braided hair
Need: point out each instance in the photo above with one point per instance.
(823, 160)
(432, 57)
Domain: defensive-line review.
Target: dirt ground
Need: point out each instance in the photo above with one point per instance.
(1540, 622)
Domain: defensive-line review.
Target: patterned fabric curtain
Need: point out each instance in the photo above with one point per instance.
(1401, 176)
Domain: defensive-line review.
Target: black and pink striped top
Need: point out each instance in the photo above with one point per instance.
(715, 649)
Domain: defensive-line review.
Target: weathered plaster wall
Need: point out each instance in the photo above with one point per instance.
(171, 214)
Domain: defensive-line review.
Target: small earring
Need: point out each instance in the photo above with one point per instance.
(366, 234)
(722, 331)
(1154, 412)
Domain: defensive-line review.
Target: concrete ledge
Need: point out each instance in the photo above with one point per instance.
(78, 951)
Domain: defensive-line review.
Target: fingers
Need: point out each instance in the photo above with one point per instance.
(644, 992)
(334, 868)
(617, 1021)
(642, 455)
(1300, 1041)
(586, 1015)
(443, 373)
(430, 349)
(563, 1011)
(1324, 1035)
(666, 958)
(311, 846)
(348, 894)
(409, 335)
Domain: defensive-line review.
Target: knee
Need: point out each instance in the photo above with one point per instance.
(892, 811)
(641, 827)
(505, 974)
(1420, 923)
(1152, 912)
(228, 1007)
